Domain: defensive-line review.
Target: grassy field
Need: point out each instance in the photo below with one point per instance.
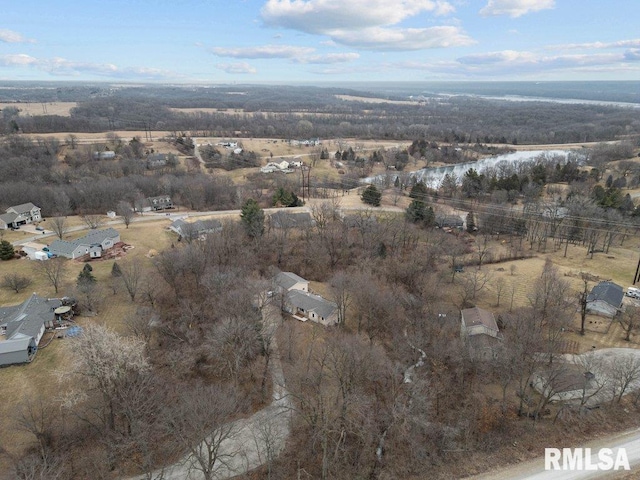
(44, 108)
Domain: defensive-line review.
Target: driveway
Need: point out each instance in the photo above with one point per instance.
(255, 440)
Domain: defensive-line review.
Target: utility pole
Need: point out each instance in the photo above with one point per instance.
(636, 277)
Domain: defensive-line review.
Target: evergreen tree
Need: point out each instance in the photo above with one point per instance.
(419, 191)
(252, 218)
(115, 270)
(371, 196)
(6, 250)
(85, 276)
(285, 198)
(471, 222)
(418, 212)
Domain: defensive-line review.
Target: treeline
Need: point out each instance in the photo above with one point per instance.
(291, 113)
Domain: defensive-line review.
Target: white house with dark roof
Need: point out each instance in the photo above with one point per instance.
(479, 331)
(20, 215)
(94, 244)
(22, 327)
(605, 299)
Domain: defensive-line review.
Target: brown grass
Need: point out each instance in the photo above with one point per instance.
(41, 108)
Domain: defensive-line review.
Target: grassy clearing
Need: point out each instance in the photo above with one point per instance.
(41, 108)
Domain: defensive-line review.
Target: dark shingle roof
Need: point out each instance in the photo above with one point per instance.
(23, 207)
(288, 279)
(284, 219)
(311, 303)
(478, 316)
(607, 292)
(28, 318)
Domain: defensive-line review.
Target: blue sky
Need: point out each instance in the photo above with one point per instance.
(287, 41)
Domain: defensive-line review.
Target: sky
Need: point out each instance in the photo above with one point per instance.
(317, 41)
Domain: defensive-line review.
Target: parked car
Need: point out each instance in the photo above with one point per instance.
(633, 292)
(40, 229)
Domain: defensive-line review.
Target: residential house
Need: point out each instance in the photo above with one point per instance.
(563, 382)
(479, 331)
(20, 215)
(194, 230)
(283, 219)
(94, 244)
(287, 281)
(157, 160)
(307, 306)
(106, 155)
(605, 299)
(449, 221)
(22, 327)
(161, 202)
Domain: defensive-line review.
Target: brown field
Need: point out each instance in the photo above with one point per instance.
(353, 98)
(39, 109)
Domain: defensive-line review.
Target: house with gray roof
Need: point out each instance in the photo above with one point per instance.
(605, 299)
(194, 230)
(22, 327)
(283, 220)
(479, 331)
(307, 306)
(94, 244)
(161, 202)
(287, 281)
(20, 215)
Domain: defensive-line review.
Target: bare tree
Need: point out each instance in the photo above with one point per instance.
(59, 226)
(15, 282)
(473, 282)
(131, 274)
(630, 320)
(340, 286)
(53, 270)
(125, 211)
(582, 300)
(93, 221)
(199, 421)
(105, 362)
(624, 373)
(500, 287)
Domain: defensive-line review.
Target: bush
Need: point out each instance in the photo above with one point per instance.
(371, 196)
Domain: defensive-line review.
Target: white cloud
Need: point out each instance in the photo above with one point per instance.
(330, 58)
(369, 24)
(289, 52)
(634, 43)
(9, 36)
(515, 8)
(376, 38)
(237, 68)
(317, 16)
(63, 67)
(18, 59)
(263, 51)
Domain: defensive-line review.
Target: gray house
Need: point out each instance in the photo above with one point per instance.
(93, 244)
(194, 230)
(605, 299)
(307, 306)
(160, 202)
(287, 281)
(282, 219)
(22, 327)
(20, 215)
(479, 331)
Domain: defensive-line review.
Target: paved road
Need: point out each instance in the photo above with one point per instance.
(254, 440)
(534, 469)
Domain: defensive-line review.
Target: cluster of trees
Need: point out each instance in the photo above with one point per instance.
(275, 111)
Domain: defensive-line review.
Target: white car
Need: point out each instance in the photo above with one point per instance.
(633, 292)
